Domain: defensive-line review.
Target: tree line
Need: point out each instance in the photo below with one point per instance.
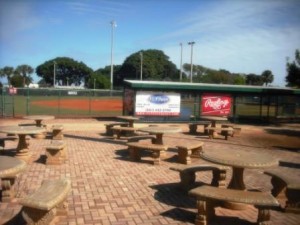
(155, 66)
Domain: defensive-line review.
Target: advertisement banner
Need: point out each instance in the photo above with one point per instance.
(12, 91)
(157, 104)
(216, 104)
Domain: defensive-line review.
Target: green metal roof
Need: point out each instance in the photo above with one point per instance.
(183, 86)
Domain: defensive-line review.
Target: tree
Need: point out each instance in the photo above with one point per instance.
(17, 80)
(98, 81)
(25, 71)
(203, 74)
(66, 70)
(7, 72)
(43, 84)
(293, 71)
(253, 79)
(156, 66)
(239, 79)
(267, 77)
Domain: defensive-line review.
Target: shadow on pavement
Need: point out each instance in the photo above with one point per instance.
(289, 164)
(16, 220)
(105, 140)
(283, 131)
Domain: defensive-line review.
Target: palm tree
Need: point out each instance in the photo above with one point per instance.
(267, 77)
(25, 71)
(7, 72)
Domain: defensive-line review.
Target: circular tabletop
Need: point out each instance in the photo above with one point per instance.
(128, 118)
(239, 158)
(21, 129)
(214, 118)
(161, 129)
(10, 166)
(39, 117)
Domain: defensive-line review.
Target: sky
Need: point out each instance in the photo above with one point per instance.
(241, 36)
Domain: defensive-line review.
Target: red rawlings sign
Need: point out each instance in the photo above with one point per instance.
(217, 105)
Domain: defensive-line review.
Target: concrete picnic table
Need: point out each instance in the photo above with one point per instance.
(214, 120)
(10, 167)
(22, 131)
(159, 131)
(38, 120)
(129, 119)
(239, 159)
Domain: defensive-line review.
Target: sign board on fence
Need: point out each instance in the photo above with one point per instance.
(12, 91)
(216, 104)
(72, 92)
(157, 104)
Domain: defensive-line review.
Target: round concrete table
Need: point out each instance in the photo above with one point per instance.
(239, 159)
(22, 131)
(129, 119)
(10, 167)
(38, 120)
(214, 120)
(159, 131)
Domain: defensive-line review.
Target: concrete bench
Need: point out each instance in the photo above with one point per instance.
(136, 147)
(185, 152)
(209, 197)
(3, 139)
(224, 131)
(108, 127)
(126, 131)
(57, 132)
(142, 137)
(187, 174)
(6, 138)
(236, 131)
(194, 125)
(46, 202)
(56, 153)
(286, 185)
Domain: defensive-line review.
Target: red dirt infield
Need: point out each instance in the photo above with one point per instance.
(97, 104)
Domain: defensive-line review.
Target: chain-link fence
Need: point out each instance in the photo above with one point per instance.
(18, 102)
(70, 102)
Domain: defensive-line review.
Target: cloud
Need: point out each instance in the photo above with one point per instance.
(240, 36)
(16, 16)
(107, 8)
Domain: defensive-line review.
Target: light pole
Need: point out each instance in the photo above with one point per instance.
(67, 81)
(54, 73)
(113, 25)
(94, 83)
(180, 61)
(191, 76)
(141, 54)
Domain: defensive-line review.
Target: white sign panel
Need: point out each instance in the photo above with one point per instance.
(157, 104)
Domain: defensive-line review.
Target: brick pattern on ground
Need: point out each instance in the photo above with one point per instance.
(109, 188)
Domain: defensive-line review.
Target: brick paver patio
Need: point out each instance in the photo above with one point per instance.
(108, 188)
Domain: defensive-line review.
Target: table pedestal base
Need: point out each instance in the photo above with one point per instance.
(237, 183)
(22, 149)
(40, 136)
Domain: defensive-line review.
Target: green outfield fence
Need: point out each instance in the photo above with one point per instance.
(70, 102)
(60, 102)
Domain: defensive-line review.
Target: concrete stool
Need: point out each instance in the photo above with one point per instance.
(56, 153)
(57, 132)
